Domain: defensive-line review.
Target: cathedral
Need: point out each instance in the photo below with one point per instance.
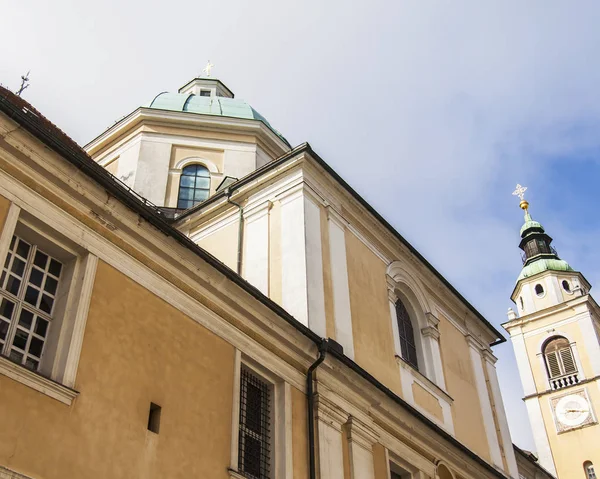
(190, 296)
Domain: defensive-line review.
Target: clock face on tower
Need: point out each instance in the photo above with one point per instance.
(572, 410)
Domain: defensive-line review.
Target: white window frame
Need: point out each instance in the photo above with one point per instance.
(57, 374)
(280, 441)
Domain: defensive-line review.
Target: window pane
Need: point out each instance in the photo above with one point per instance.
(13, 285)
(189, 170)
(3, 330)
(203, 182)
(16, 356)
(32, 364)
(18, 267)
(51, 285)
(55, 267)
(31, 296)
(200, 195)
(41, 327)
(36, 277)
(40, 259)
(46, 303)
(186, 194)
(20, 340)
(187, 181)
(23, 249)
(26, 319)
(6, 308)
(35, 347)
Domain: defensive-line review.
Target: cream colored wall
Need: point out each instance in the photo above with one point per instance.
(460, 383)
(327, 280)
(371, 322)
(4, 206)
(571, 449)
(427, 401)
(275, 252)
(136, 350)
(223, 244)
(299, 434)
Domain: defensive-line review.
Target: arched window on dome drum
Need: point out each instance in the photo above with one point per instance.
(194, 186)
(407, 336)
(559, 357)
(588, 467)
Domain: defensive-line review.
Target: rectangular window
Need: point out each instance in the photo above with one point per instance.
(204, 92)
(28, 288)
(254, 426)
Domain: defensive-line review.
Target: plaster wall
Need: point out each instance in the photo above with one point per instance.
(371, 325)
(460, 383)
(572, 448)
(223, 244)
(427, 401)
(137, 349)
(239, 163)
(152, 171)
(4, 206)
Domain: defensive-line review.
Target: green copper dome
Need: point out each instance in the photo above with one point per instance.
(202, 105)
(543, 264)
(530, 224)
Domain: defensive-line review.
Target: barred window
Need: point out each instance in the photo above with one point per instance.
(255, 426)
(194, 186)
(28, 286)
(559, 357)
(407, 336)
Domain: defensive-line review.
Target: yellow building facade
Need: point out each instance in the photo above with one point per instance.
(194, 297)
(555, 337)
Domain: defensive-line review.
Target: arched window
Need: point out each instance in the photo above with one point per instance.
(407, 336)
(539, 290)
(566, 286)
(194, 186)
(588, 467)
(559, 357)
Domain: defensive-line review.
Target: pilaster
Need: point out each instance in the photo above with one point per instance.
(256, 246)
(330, 419)
(507, 444)
(361, 438)
(484, 401)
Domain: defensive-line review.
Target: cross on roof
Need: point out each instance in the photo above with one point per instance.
(520, 192)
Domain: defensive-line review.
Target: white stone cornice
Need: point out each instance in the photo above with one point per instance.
(489, 356)
(256, 211)
(360, 433)
(330, 413)
(431, 332)
(336, 217)
(475, 343)
(432, 319)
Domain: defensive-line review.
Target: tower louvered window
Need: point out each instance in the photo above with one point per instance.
(407, 336)
(559, 358)
(255, 426)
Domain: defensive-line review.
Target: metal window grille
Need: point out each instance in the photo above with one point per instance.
(28, 286)
(194, 186)
(407, 336)
(255, 424)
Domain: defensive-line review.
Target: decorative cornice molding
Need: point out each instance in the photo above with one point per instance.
(431, 331)
(360, 433)
(330, 413)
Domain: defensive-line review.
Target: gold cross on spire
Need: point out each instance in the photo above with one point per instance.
(520, 192)
(207, 69)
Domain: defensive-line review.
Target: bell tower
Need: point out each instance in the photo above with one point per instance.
(555, 335)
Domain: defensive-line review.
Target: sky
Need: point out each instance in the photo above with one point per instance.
(431, 110)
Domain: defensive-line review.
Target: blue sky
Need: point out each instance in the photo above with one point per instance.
(433, 111)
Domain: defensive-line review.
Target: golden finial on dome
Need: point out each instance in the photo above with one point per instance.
(520, 192)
